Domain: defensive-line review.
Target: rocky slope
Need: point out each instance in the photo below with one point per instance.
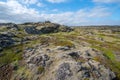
(49, 51)
(63, 63)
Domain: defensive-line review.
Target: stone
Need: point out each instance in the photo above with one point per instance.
(6, 40)
(78, 67)
(74, 55)
(63, 28)
(64, 48)
(63, 72)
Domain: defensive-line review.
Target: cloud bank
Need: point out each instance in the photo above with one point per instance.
(14, 11)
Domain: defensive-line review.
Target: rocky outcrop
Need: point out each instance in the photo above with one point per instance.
(32, 30)
(10, 26)
(6, 40)
(61, 64)
(43, 28)
(63, 72)
(36, 61)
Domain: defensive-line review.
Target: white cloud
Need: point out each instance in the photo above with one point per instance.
(57, 1)
(31, 2)
(40, 4)
(13, 11)
(106, 1)
(82, 16)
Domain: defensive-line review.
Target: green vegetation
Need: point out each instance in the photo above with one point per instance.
(106, 52)
(110, 60)
(40, 69)
(81, 59)
(97, 58)
(10, 55)
(108, 49)
(86, 79)
(64, 43)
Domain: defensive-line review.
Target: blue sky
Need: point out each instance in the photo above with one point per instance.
(67, 12)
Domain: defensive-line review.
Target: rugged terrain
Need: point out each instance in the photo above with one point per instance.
(50, 51)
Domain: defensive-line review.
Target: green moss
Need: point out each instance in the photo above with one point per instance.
(110, 60)
(86, 79)
(82, 60)
(106, 52)
(64, 43)
(97, 58)
(40, 69)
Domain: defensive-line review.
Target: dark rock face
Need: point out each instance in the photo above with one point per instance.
(65, 29)
(50, 29)
(63, 72)
(32, 30)
(64, 48)
(10, 26)
(74, 55)
(45, 28)
(6, 40)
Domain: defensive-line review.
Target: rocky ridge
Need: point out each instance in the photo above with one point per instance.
(9, 31)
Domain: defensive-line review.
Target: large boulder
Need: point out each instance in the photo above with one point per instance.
(63, 72)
